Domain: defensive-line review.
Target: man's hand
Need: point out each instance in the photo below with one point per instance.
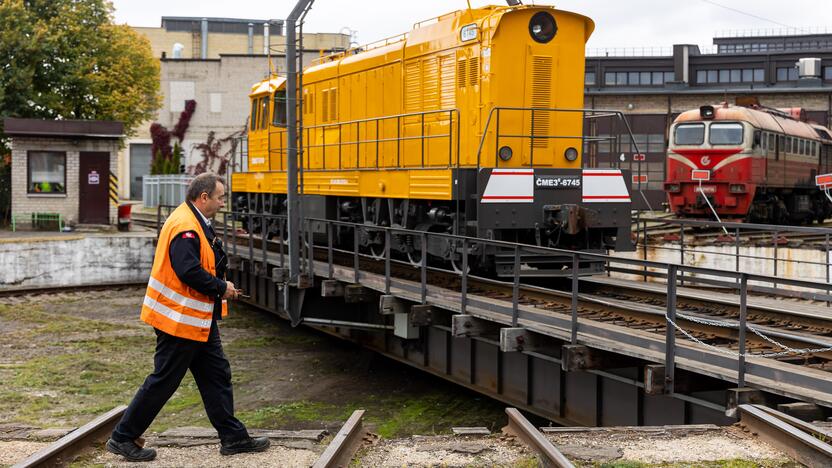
(230, 291)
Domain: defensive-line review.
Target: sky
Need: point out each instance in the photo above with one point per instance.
(618, 23)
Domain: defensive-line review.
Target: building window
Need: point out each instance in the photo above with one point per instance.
(713, 76)
(759, 75)
(827, 73)
(786, 74)
(589, 78)
(736, 76)
(46, 172)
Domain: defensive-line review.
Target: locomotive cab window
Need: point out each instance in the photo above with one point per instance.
(689, 134)
(725, 134)
(279, 109)
(253, 120)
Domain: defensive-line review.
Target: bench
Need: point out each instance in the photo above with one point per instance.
(38, 220)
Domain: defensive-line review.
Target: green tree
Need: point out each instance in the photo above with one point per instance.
(66, 59)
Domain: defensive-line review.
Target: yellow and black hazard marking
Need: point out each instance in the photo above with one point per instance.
(113, 189)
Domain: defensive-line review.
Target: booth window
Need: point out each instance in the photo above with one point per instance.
(46, 172)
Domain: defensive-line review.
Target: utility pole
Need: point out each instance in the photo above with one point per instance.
(295, 18)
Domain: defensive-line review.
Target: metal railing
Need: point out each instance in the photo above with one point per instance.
(591, 115)
(376, 126)
(350, 151)
(735, 281)
(762, 33)
(740, 236)
(164, 189)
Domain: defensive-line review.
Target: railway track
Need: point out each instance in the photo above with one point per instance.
(41, 290)
(340, 451)
(642, 307)
(804, 442)
(63, 451)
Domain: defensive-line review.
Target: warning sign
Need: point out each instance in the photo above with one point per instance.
(92, 178)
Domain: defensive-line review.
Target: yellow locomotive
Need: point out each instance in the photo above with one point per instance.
(470, 123)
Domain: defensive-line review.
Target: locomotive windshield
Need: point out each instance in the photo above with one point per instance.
(690, 134)
(725, 134)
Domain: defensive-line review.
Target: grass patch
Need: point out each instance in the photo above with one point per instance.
(53, 324)
(294, 412)
(392, 415)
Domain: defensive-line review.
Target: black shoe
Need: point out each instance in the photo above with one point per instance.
(248, 444)
(130, 451)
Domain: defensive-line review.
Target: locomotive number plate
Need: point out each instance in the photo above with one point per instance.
(557, 182)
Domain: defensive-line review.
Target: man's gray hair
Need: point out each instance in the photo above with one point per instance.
(205, 182)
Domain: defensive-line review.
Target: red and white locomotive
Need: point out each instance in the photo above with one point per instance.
(750, 163)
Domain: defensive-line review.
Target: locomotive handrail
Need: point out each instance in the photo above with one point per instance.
(594, 113)
(453, 120)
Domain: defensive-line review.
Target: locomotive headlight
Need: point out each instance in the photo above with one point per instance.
(570, 154)
(505, 153)
(542, 27)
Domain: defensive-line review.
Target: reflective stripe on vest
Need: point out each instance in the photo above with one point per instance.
(176, 316)
(170, 305)
(180, 299)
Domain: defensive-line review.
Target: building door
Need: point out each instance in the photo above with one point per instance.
(93, 206)
(140, 159)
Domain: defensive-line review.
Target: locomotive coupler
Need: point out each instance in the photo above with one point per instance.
(572, 219)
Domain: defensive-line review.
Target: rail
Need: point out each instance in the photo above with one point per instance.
(764, 237)
(735, 281)
(60, 452)
(802, 441)
(522, 428)
(340, 451)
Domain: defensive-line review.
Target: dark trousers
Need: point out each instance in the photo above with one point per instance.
(212, 373)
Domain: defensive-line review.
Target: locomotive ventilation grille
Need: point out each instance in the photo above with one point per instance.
(541, 98)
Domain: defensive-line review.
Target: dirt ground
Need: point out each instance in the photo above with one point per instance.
(68, 357)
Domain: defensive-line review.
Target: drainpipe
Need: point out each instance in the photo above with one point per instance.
(251, 38)
(266, 39)
(204, 38)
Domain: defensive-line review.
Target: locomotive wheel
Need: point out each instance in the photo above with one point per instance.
(415, 258)
(377, 249)
(456, 265)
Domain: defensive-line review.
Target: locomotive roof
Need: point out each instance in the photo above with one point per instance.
(423, 32)
(267, 86)
(758, 118)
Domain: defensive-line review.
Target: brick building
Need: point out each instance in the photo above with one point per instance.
(652, 86)
(65, 167)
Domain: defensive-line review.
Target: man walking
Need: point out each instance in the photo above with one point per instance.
(186, 295)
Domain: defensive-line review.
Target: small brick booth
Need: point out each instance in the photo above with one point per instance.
(65, 167)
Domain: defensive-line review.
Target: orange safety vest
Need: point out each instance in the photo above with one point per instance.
(169, 304)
